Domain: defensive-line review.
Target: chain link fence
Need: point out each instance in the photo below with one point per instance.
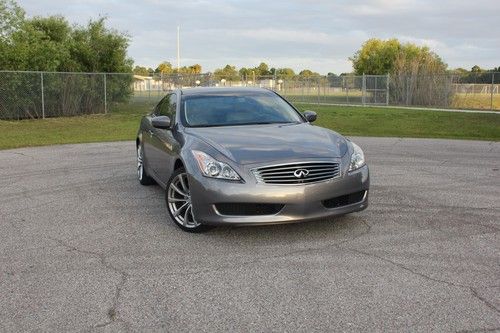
(26, 95)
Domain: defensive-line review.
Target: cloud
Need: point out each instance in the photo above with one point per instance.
(319, 34)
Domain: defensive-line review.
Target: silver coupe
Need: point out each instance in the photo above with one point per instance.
(246, 156)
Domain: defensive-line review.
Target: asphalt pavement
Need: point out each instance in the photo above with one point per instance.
(85, 247)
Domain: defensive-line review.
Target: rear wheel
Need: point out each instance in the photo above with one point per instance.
(180, 208)
(142, 175)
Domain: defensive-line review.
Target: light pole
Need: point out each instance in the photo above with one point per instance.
(178, 49)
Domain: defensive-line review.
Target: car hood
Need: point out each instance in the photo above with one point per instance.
(277, 142)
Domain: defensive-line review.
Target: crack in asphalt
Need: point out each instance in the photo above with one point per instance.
(471, 289)
(112, 312)
(278, 256)
(19, 153)
(484, 300)
(124, 276)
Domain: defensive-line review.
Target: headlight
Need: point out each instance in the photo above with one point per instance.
(212, 168)
(357, 158)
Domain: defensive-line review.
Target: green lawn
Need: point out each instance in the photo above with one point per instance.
(123, 121)
(369, 121)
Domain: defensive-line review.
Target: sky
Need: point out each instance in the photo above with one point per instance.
(319, 35)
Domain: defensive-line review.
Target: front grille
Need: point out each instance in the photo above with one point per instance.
(297, 173)
(250, 209)
(344, 200)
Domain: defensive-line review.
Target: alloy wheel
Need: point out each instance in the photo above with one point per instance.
(179, 201)
(140, 164)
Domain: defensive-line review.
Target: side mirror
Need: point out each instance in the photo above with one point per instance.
(162, 122)
(310, 116)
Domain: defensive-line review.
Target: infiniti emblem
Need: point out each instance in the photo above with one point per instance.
(301, 173)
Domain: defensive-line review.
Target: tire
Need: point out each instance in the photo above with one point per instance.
(178, 200)
(142, 175)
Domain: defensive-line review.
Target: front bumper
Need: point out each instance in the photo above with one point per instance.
(300, 202)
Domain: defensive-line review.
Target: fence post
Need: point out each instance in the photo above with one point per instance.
(319, 87)
(387, 89)
(363, 89)
(43, 96)
(407, 90)
(346, 89)
(303, 92)
(105, 95)
(492, 87)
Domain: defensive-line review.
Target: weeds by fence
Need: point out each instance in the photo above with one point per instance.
(51, 94)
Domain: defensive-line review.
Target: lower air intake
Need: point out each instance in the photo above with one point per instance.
(248, 209)
(344, 200)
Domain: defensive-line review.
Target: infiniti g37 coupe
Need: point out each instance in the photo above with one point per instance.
(245, 156)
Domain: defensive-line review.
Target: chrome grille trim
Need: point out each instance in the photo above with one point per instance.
(283, 174)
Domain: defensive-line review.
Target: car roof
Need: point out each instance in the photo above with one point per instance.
(223, 90)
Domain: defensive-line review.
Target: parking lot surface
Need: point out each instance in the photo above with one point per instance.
(83, 246)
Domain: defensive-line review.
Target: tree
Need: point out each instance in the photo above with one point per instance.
(415, 71)
(43, 44)
(228, 73)
(247, 73)
(193, 69)
(52, 44)
(285, 73)
(143, 71)
(96, 48)
(476, 69)
(262, 69)
(164, 68)
(376, 56)
(379, 57)
(308, 73)
(11, 18)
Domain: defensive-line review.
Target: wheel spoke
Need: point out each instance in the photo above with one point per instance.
(178, 211)
(179, 191)
(172, 199)
(183, 184)
(186, 215)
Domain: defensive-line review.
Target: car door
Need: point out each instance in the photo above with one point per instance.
(163, 142)
(148, 139)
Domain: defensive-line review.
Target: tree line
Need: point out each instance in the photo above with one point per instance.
(228, 72)
(53, 44)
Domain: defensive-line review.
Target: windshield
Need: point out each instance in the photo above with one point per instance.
(237, 109)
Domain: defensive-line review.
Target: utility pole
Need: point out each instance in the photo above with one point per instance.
(178, 49)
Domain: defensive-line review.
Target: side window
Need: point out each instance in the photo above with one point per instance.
(167, 106)
(162, 107)
(172, 107)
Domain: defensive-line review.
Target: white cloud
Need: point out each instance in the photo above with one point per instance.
(319, 34)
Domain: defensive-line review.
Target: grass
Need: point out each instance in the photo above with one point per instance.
(122, 123)
(476, 101)
(393, 122)
(459, 101)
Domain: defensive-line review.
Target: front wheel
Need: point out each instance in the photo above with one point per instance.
(180, 208)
